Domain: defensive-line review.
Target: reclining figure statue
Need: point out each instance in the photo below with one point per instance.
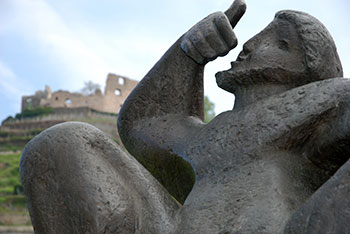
(277, 163)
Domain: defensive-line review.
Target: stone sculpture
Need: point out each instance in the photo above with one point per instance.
(277, 163)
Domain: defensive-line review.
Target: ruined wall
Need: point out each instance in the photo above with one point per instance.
(40, 98)
(74, 100)
(116, 90)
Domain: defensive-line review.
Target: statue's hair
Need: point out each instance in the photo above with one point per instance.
(320, 53)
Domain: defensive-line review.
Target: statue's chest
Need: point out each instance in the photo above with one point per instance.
(235, 142)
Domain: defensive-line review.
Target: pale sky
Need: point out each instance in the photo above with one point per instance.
(68, 42)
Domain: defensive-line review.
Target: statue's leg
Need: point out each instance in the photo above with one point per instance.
(327, 210)
(77, 180)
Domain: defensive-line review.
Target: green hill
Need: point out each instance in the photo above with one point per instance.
(15, 133)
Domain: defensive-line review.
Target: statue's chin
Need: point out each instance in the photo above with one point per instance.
(235, 78)
(223, 80)
(230, 79)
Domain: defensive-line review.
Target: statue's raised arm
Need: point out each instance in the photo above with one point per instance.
(168, 103)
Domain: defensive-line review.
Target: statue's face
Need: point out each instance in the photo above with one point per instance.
(272, 56)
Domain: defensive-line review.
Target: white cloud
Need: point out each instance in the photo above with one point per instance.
(83, 53)
(40, 25)
(131, 52)
(12, 88)
(9, 83)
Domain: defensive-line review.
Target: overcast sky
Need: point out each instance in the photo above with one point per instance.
(64, 43)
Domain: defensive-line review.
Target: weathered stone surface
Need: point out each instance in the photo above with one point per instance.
(328, 209)
(257, 164)
(77, 180)
(276, 163)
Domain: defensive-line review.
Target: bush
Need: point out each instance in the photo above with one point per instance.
(4, 134)
(12, 202)
(9, 118)
(34, 112)
(18, 190)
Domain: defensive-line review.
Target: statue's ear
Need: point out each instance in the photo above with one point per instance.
(322, 61)
(321, 56)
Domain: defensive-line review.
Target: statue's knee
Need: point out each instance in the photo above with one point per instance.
(65, 172)
(56, 149)
(78, 175)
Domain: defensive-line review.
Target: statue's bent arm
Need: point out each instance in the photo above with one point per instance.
(328, 148)
(165, 111)
(164, 121)
(150, 111)
(160, 114)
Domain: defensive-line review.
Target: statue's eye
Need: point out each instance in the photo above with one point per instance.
(283, 45)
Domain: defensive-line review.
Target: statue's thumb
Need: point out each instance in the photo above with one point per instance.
(236, 11)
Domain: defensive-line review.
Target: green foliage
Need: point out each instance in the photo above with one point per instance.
(104, 113)
(5, 147)
(18, 190)
(14, 143)
(9, 173)
(209, 112)
(34, 112)
(12, 200)
(9, 118)
(13, 204)
(4, 134)
(23, 134)
(34, 132)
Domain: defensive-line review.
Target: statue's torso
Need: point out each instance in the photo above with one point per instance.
(252, 174)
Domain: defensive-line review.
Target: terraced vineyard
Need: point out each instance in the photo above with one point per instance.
(13, 210)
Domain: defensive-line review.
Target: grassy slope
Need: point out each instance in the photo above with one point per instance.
(9, 176)
(13, 209)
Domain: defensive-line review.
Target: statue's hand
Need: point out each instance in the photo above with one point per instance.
(213, 36)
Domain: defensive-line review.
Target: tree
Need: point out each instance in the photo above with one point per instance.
(209, 112)
(90, 88)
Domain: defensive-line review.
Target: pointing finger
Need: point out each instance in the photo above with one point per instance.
(236, 11)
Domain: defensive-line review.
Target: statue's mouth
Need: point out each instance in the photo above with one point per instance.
(242, 56)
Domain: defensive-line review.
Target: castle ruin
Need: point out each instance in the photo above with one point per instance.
(116, 90)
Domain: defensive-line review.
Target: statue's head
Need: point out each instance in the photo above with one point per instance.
(295, 48)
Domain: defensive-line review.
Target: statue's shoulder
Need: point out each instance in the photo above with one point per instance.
(333, 89)
(337, 83)
(303, 102)
(311, 99)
